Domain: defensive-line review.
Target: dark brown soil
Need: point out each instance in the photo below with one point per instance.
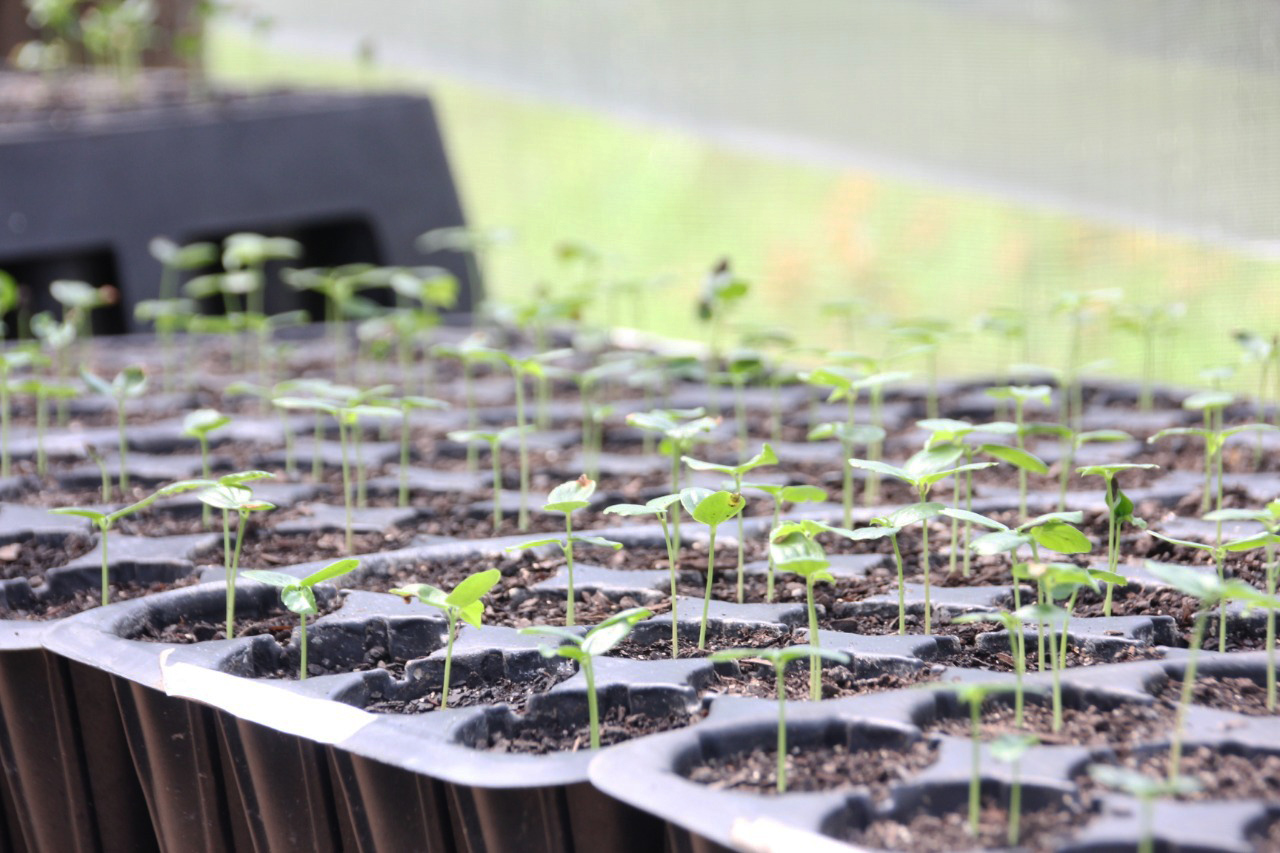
(31, 558)
(757, 678)
(264, 549)
(87, 599)
(826, 768)
(1223, 773)
(474, 691)
(1239, 695)
(540, 737)
(277, 622)
(1124, 724)
(1044, 830)
(755, 638)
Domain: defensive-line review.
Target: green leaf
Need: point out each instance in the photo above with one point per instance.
(631, 510)
(1061, 537)
(279, 579)
(716, 508)
(802, 494)
(1208, 400)
(204, 421)
(596, 540)
(1194, 431)
(936, 476)
(1259, 540)
(932, 460)
(424, 592)
(472, 614)
(914, 513)
(225, 497)
(1104, 435)
(571, 496)
(882, 468)
(564, 634)
(1009, 748)
(971, 517)
(92, 515)
(799, 554)
(851, 434)
(663, 502)
(1120, 505)
(535, 543)
(603, 637)
(1103, 576)
(1016, 457)
(1000, 542)
(300, 600)
(96, 383)
(474, 587)
(1199, 546)
(331, 571)
(1112, 469)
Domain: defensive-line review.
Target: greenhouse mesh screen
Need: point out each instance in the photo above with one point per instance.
(1159, 113)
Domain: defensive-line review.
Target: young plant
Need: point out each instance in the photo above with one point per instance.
(1081, 309)
(128, 383)
(1018, 456)
(1211, 592)
(927, 335)
(1119, 513)
(722, 290)
(233, 496)
(406, 405)
(1053, 530)
(1149, 323)
(679, 429)
(104, 521)
(712, 509)
(661, 507)
(766, 456)
(494, 439)
(520, 368)
(795, 549)
(973, 695)
(889, 527)
(922, 471)
(470, 353)
(55, 339)
(464, 603)
(79, 300)
(298, 595)
(1009, 749)
(10, 361)
(198, 425)
(43, 392)
(1072, 442)
(1012, 623)
(1146, 791)
(779, 659)
(584, 650)
(783, 495)
(844, 384)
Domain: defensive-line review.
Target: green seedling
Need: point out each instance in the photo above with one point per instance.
(1081, 308)
(251, 253)
(1119, 512)
(298, 596)
(1053, 530)
(783, 495)
(722, 290)
(43, 392)
(535, 366)
(340, 287)
(927, 336)
(433, 289)
(1211, 404)
(592, 435)
(407, 405)
(1009, 749)
(1211, 592)
(470, 353)
(662, 507)
(104, 521)
(779, 659)
(584, 650)
(679, 429)
(1010, 325)
(494, 440)
(128, 383)
(922, 471)
(79, 300)
(1012, 623)
(10, 361)
(168, 310)
(475, 245)
(116, 33)
(55, 339)
(1218, 553)
(766, 456)
(845, 384)
(105, 475)
(1072, 442)
(566, 499)
(1265, 352)
(889, 527)
(1146, 791)
(232, 497)
(741, 367)
(1020, 395)
(199, 424)
(973, 695)
(795, 549)
(464, 603)
(712, 509)
(168, 317)
(1149, 323)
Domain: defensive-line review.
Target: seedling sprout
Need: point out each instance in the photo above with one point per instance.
(662, 507)
(298, 595)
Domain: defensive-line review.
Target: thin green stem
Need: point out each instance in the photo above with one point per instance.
(777, 519)
(106, 589)
(1271, 630)
(346, 479)
(671, 566)
(403, 499)
(206, 511)
(1146, 816)
(593, 708)
(124, 451)
(522, 519)
(902, 590)
(780, 676)
(706, 600)
(495, 454)
(1015, 805)
(924, 565)
(568, 559)
(815, 662)
(448, 661)
(302, 665)
(1113, 542)
(1184, 700)
(975, 780)
(742, 559)
(846, 491)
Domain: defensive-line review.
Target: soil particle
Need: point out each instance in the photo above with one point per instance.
(1127, 723)
(1239, 695)
(824, 768)
(31, 558)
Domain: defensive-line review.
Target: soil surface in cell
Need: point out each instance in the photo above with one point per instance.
(824, 768)
(91, 597)
(1239, 695)
(758, 637)
(473, 690)
(1126, 723)
(534, 736)
(31, 558)
(756, 678)
(277, 622)
(1039, 831)
(1221, 774)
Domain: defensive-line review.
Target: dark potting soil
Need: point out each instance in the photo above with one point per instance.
(31, 558)
(1126, 723)
(89, 598)
(1136, 600)
(1239, 695)
(533, 736)
(590, 607)
(758, 637)
(474, 691)
(1043, 830)
(265, 549)
(276, 622)
(756, 678)
(1223, 773)
(825, 768)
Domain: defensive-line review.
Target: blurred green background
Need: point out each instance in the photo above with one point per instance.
(665, 205)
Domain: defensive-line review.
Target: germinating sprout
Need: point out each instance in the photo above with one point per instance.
(298, 595)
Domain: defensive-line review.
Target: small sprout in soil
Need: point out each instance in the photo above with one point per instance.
(9, 361)
(520, 368)
(1012, 623)
(1009, 749)
(679, 429)
(233, 496)
(298, 595)
(474, 437)
(973, 695)
(780, 659)
(662, 507)
(198, 425)
(795, 550)
(55, 339)
(584, 650)
(1119, 512)
(128, 383)
(1210, 591)
(1146, 791)
(105, 520)
(921, 472)
(712, 509)
(469, 353)
(784, 495)
(464, 603)
(406, 405)
(890, 526)
(43, 391)
(766, 456)
(1021, 395)
(1150, 323)
(721, 291)
(927, 336)
(845, 384)
(1072, 441)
